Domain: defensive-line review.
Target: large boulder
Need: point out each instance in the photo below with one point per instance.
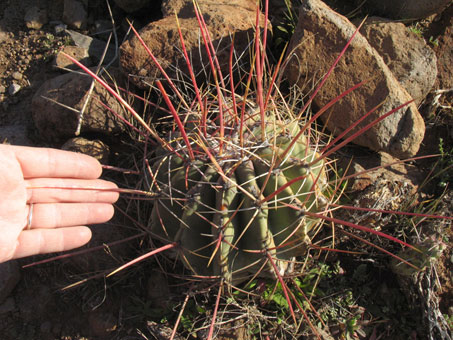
(318, 39)
(406, 54)
(406, 9)
(224, 20)
(58, 122)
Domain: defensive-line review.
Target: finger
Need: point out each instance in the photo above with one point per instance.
(46, 162)
(53, 190)
(59, 215)
(41, 241)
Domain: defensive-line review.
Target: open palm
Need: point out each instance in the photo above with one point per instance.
(62, 193)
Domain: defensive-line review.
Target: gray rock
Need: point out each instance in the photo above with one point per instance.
(9, 278)
(407, 9)
(35, 17)
(74, 14)
(95, 47)
(13, 89)
(319, 37)
(407, 55)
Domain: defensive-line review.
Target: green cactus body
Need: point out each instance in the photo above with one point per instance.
(228, 223)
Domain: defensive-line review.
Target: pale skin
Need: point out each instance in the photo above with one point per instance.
(55, 182)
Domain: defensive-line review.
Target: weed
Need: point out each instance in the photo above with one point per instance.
(434, 42)
(284, 29)
(417, 29)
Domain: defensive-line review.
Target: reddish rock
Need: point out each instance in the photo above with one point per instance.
(223, 19)
(407, 55)
(445, 58)
(319, 37)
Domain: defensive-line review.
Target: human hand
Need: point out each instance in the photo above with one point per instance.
(51, 189)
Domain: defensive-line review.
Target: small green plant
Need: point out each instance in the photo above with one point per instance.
(49, 40)
(445, 164)
(434, 42)
(52, 44)
(417, 29)
(449, 319)
(285, 28)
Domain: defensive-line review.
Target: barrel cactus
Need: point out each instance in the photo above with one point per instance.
(240, 182)
(241, 198)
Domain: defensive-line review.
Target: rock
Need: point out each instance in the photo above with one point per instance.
(95, 47)
(318, 39)
(361, 179)
(35, 17)
(445, 58)
(131, 6)
(60, 28)
(74, 14)
(2, 89)
(411, 61)
(9, 278)
(13, 89)
(3, 35)
(78, 53)
(223, 19)
(95, 148)
(17, 75)
(57, 123)
(407, 9)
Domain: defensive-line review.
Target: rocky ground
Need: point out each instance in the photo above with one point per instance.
(32, 304)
